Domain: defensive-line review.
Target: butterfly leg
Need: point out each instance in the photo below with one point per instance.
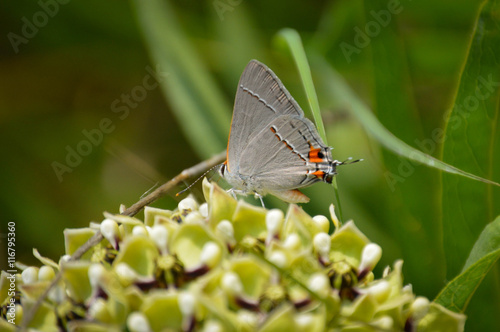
(259, 196)
(233, 193)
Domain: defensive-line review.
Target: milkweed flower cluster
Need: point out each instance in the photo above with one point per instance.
(223, 265)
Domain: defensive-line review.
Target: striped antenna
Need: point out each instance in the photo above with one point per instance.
(198, 179)
(348, 161)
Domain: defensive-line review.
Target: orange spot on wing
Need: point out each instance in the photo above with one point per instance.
(288, 146)
(314, 155)
(319, 174)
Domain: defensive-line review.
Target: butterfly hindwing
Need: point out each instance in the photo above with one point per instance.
(278, 156)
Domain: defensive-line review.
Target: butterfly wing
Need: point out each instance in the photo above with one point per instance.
(260, 98)
(279, 157)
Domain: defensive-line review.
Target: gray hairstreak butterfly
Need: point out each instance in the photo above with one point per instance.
(272, 148)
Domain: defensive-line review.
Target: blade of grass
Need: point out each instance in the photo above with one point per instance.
(347, 99)
(201, 109)
(291, 39)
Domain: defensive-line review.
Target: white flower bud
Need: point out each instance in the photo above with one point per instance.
(110, 231)
(210, 254)
(194, 217)
(419, 307)
(279, 258)
(65, 258)
(248, 319)
(159, 235)
(98, 309)
(30, 275)
(96, 274)
(204, 210)
(370, 257)
(384, 323)
(304, 321)
(139, 231)
(274, 220)
(319, 284)
(231, 283)
(187, 304)
(292, 242)
(125, 273)
(226, 228)
(57, 294)
(138, 322)
(46, 273)
(322, 243)
(212, 326)
(322, 222)
(189, 204)
(380, 290)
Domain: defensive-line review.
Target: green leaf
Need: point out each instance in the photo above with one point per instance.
(488, 241)
(457, 293)
(201, 109)
(472, 142)
(292, 39)
(441, 319)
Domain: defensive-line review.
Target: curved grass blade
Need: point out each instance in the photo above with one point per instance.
(291, 39)
(200, 107)
(346, 98)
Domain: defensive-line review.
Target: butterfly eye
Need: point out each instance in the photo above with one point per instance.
(222, 170)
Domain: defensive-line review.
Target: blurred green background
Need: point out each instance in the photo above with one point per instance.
(93, 60)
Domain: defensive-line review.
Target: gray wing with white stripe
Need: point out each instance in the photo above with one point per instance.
(260, 98)
(277, 157)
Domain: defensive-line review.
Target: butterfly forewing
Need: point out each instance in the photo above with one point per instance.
(260, 98)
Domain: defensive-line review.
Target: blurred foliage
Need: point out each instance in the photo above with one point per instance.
(81, 64)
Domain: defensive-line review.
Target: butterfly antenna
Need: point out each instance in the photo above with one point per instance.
(348, 161)
(198, 179)
(156, 185)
